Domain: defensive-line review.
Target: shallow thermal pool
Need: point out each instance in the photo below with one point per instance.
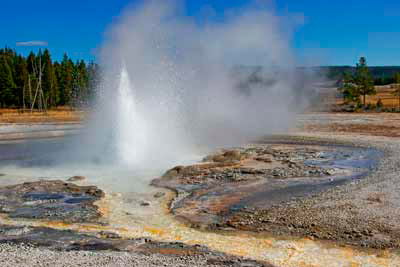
(53, 159)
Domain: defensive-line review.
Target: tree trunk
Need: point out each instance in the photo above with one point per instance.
(364, 100)
(23, 97)
(30, 89)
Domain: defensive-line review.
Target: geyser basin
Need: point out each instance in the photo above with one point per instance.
(127, 217)
(180, 90)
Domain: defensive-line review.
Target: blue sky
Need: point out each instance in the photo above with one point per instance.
(333, 32)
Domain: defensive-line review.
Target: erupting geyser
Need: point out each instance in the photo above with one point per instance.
(130, 128)
(173, 88)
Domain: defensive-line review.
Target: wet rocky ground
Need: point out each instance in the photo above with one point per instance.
(59, 201)
(305, 218)
(270, 188)
(252, 163)
(51, 200)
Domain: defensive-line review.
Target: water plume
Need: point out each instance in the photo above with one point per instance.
(131, 128)
(174, 88)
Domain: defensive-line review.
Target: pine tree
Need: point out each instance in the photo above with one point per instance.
(7, 85)
(81, 83)
(49, 82)
(10, 56)
(348, 89)
(21, 80)
(364, 80)
(58, 74)
(66, 81)
(30, 61)
(38, 82)
(93, 74)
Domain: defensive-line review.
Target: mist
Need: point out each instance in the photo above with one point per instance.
(174, 88)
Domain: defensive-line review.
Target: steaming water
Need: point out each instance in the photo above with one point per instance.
(173, 88)
(131, 128)
(174, 96)
(117, 166)
(39, 159)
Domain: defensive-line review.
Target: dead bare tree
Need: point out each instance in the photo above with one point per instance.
(39, 95)
(23, 96)
(30, 89)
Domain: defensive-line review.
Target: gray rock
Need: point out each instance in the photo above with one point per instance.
(144, 203)
(159, 194)
(76, 178)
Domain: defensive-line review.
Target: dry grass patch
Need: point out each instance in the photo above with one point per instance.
(63, 114)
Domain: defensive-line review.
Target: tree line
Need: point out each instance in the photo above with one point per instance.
(36, 82)
(382, 75)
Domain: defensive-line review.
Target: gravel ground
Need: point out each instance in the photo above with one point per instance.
(377, 195)
(373, 201)
(22, 255)
(364, 212)
(25, 255)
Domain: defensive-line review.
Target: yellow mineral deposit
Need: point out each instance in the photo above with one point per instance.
(162, 226)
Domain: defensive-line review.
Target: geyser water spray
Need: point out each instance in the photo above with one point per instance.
(130, 127)
(174, 88)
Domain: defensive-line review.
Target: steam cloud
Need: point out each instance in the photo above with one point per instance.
(186, 86)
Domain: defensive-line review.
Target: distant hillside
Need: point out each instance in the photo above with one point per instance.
(382, 74)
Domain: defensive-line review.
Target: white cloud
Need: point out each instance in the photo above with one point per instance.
(32, 43)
